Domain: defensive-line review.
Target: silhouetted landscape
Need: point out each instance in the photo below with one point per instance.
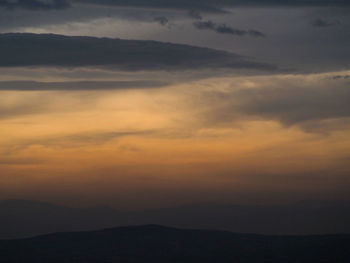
(22, 218)
(153, 243)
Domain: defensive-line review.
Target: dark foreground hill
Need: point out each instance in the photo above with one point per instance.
(152, 243)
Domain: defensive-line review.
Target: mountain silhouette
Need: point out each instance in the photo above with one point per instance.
(21, 218)
(153, 243)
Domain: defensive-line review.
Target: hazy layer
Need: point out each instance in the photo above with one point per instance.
(238, 139)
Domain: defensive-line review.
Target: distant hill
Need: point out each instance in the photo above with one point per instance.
(21, 218)
(153, 243)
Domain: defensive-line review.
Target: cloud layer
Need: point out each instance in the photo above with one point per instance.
(203, 5)
(307, 102)
(63, 51)
(78, 85)
(225, 29)
(35, 4)
(215, 5)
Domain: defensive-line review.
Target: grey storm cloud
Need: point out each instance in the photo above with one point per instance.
(224, 29)
(35, 4)
(203, 5)
(18, 49)
(215, 5)
(78, 85)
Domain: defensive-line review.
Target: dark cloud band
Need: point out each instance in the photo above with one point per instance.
(130, 55)
(215, 5)
(35, 4)
(78, 85)
(203, 5)
(225, 29)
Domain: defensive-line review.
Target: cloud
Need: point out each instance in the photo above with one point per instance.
(78, 85)
(205, 25)
(293, 105)
(255, 33)
(206, 5)
(296, 101)
(82, 138)
(162, 20)
(70, 140)
(63, 97)
(341, 77)
(19, 161)
(214, 5)
(35, 4)
(224, 29)
(23, 107)
(203, 5)
(323, 23)
(195, 14)
(18, 49)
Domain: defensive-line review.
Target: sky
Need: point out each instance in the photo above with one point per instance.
(142, 104)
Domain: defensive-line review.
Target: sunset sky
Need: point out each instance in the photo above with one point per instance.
(231, 101)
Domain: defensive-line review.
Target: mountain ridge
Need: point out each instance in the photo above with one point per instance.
(155, 243)
(21, 219)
